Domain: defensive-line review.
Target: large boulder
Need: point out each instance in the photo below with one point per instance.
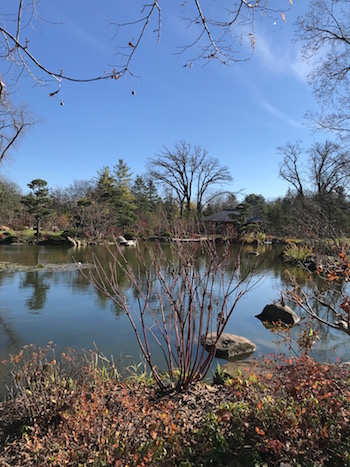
(229, 345)
(277, 311)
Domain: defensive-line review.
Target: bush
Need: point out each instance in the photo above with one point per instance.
(296, 253)
(8, 238)
(194, 295)
(72, 411)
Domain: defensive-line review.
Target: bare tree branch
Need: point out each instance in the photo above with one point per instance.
(325, 32)
(12, 125)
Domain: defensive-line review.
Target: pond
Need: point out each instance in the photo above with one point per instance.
(63, 307)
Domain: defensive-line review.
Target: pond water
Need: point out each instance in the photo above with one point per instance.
(63, 307)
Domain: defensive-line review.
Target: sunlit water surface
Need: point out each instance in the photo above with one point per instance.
(63, 307)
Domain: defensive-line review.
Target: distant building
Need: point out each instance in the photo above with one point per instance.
(227, 215)
(230, 219)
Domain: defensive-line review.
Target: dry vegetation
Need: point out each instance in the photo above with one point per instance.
(69, 410)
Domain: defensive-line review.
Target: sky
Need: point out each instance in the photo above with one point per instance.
(239, 113)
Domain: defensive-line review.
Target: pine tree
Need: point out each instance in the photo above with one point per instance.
(153, 198)
(139, 190)
(124, 200)
(38, 202)
(105, 187)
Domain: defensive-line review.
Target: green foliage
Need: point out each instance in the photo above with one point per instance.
(38, 202)
(257, 205)
(212, 440)
(147, 204)
(220, 375)
(124, 200)
(294, 252)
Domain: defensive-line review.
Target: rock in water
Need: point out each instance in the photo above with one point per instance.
(275, 312)
(228, 345)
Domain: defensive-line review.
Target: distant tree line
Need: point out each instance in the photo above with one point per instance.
(180, 184)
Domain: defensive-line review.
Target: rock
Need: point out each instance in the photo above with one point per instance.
(342, 325)
(276, 311)
(311, 266)
(228, 345)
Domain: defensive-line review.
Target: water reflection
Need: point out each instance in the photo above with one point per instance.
(9, 339)
(39, 282)
(65, 308)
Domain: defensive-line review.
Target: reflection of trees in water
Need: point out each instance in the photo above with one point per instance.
(5, 276)
(13, 340)
(319, 302)
(169, 265)
(27, 255)
(103, 302)
(138, 259)
(31, 255)
(40, 283)
(331, 348)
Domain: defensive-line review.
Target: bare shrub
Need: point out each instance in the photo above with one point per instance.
(182, 293)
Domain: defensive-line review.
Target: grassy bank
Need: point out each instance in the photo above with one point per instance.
(28, 236)
(67, 410)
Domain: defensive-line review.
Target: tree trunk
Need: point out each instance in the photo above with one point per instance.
(37, 227)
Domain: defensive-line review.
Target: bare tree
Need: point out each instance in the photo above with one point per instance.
(330, 167)
(10, 201)
(320, 176)
(290, 169)
(217, 33)
(209, 173)
(326, 167)
(189, 172)
(325, 31)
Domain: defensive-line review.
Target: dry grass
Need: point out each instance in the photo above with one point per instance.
(66, 412)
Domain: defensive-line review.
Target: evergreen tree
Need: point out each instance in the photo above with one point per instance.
(170, 206)
(124, 200)
(38, 202)
(104, 195)
(139, 190)
(153, 198)
(105, 187)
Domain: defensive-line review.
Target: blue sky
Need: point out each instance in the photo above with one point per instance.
(240, 113)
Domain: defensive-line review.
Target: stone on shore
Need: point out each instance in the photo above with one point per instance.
(277, 311)
(229, 345)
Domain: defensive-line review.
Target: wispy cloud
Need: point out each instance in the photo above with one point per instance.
(89, 39)
(281, 58)
(274, 111)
